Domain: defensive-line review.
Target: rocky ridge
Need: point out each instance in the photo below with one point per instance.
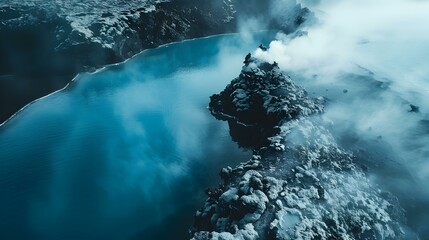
(299, 184)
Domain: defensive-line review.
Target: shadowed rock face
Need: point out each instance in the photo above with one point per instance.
(300, 184)
(257, 102)
(45, 43)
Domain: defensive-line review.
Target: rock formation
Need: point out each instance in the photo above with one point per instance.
(300, 184)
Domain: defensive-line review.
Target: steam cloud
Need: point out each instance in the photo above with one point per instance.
(369, 59)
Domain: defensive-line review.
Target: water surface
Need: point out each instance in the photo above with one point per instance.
(125, 153)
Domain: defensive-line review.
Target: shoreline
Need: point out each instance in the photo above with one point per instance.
(103, 68)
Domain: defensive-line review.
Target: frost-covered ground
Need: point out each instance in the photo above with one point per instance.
(356, 170)
(300, 184)
(98, 21)
(349, 165)
(75, 7)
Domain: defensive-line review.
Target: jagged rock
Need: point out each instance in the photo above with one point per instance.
(414, 108)
(259, 100)
(262, 47)
(299, 184)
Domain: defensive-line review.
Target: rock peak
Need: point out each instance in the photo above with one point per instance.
(262, 97)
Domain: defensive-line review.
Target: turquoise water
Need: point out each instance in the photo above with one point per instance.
(125, 153)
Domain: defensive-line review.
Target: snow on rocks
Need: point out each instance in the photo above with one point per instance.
(260, 100)
(263, 89)
(299, 184)
(122, 28)
(100, 22)
(248, 233)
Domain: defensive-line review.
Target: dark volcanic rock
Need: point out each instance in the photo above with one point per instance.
(259, 100)
(299, 184)
(414, 108)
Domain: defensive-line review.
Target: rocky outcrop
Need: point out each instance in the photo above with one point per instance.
(299, 184)
(44, 44)
(257, 102)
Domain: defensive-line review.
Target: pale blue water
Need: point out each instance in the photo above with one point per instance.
(125, 153)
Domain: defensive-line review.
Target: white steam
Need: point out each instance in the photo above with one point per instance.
(389, 38)
(369, 58)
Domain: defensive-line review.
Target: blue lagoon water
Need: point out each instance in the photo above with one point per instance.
(125, 153)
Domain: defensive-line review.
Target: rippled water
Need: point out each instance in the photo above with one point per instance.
(123, 153)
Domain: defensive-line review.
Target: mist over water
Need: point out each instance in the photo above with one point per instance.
(368, 59)
(123, 153)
